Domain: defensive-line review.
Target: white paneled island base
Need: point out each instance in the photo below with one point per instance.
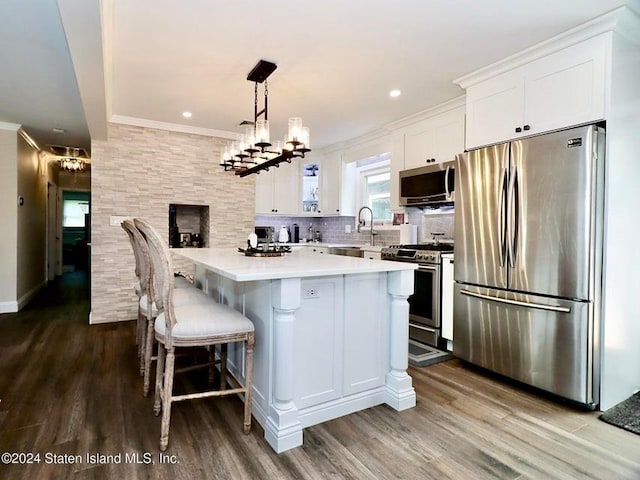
(331, 334)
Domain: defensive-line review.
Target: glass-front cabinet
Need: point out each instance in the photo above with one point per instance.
(310, 188)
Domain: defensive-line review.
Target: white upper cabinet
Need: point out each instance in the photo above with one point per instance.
(435, 140)
(567, 88)
(277, 190)
(560, 90)
(331, 181)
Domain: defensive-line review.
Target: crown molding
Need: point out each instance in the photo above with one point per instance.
(13, 127)
(29, 140)
(622, 19)
(391, 127)
(439, 109)
(172, 127)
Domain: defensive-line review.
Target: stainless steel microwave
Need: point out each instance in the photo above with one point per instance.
(431, 185)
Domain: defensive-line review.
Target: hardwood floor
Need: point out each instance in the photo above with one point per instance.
(67, 388)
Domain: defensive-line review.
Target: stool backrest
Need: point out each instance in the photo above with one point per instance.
(141, 252)
(161, 273)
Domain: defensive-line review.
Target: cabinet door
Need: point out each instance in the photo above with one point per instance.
(285, 188)
(566, 88)
(495, 108)
(365, 332)
(448, 135)
(447, 297)
(264, 193)
(331, 179)
(418, 146)
(318, 330)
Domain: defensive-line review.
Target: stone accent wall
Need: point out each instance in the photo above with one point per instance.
(138, 172)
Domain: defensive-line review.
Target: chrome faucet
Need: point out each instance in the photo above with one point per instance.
(361, 223)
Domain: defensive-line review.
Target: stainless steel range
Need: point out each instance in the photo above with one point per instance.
(425, 323)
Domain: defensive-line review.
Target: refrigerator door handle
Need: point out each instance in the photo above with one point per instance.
(502, 218)
(539, 306)
(513, 218)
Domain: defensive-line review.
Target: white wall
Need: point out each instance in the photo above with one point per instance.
(31, 225)
(8, 217)
(621, 299)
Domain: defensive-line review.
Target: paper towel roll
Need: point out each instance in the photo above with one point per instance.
(408, 234)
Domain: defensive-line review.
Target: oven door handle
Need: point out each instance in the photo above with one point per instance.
(431, 268)
(420, 327)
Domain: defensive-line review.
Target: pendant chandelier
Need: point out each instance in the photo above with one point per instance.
(254, 151)
(72, 164)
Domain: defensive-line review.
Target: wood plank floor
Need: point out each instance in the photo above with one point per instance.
(68, 388)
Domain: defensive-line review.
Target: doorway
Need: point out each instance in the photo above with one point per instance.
(76, 230)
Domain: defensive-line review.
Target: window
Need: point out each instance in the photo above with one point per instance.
(73, 212)
(378, 196)
(375, 190)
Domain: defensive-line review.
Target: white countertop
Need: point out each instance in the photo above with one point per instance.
(238, 267)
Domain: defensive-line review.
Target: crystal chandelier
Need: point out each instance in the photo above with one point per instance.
(72, 164)
(254, 151)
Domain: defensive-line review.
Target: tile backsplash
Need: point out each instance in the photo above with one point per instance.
(333, 228)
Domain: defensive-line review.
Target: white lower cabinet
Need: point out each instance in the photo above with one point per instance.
(371, 254)
(340, 314)
(447, 297)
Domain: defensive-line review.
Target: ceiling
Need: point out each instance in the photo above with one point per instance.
(74, 65)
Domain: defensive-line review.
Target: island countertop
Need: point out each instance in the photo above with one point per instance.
(234, 265)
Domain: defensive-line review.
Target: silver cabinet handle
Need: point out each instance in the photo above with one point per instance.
(540, 306)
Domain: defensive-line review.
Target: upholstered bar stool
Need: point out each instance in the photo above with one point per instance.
(190, 326)
(128, 227)
(186, 294)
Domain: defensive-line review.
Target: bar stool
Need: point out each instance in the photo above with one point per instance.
(186, 294)
(189, 326)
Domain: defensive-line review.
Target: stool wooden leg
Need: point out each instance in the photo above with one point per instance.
(148, 351)
(211, 349)
(166, 400)
(248, 382)
(157, 404)
(223, 366)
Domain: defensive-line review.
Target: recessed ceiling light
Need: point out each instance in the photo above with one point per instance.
(59, 130)
(186, 114)
(395, 93)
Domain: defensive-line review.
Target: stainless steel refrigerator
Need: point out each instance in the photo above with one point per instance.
(528, 260)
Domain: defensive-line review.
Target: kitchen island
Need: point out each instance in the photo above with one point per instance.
(331, 333)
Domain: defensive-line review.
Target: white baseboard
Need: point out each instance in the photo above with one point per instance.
(8, 307)
(23, 300)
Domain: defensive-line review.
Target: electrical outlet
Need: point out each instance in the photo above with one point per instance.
(347, 228)
(116, 220)
(311, 293)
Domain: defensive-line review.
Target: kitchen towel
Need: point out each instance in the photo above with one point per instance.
(408, 234)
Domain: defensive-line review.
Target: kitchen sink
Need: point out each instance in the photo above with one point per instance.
(347, 251)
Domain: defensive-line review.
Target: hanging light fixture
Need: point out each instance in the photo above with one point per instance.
(254, 152)
(72, 164)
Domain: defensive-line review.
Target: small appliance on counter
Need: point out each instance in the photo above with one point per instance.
(196, 240)
(264, 234)
(185, 239)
